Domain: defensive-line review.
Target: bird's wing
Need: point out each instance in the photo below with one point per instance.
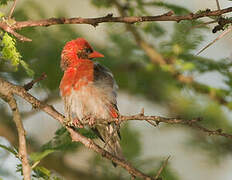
(104, 79)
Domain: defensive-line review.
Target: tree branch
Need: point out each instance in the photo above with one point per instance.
(218, 5)
(91, 145)
(53, 161)
(20, 91)
(21, 135)
(7, 28)
(159, 119)
(7, 89)
(109, 18)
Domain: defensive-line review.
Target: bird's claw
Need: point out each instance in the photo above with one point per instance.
(117, 121)
(73, 123)
(77, 123)
(67, 122)
(91, 121)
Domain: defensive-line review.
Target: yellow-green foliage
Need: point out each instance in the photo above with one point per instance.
(10, 53)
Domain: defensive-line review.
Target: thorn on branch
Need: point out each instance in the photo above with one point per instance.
(157, 123)
(208, 10)
(13, 109)
(94, 24)
(29, 85)
(199, 119)
(109, 15)
(169, 13)
(132, 177)
(191, 14)
(142, 112)
(152, 123)
(162, 168)
(218, 5)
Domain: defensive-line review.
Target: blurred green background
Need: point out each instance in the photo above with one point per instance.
(186, 86)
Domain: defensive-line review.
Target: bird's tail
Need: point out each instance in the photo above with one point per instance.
(111, 137)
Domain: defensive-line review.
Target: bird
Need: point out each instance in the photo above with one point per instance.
(88, 90)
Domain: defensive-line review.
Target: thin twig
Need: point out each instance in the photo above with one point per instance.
(4, 26)
(12, 9)
(22, 140)
(219, 37)
(218, 5)
(162, 168)
(29, 85)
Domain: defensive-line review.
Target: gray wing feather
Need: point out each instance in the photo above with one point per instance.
(103, 78)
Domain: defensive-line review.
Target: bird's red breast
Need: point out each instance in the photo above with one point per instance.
(77, 75)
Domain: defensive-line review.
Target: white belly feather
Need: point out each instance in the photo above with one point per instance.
(88, 101)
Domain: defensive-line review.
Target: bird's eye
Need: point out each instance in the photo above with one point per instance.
(88, 50)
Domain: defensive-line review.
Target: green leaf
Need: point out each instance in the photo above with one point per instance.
(9, 51)
(87, 133)
(28, 70)
(11, 150)
(37, 156)
(42, 172)
(61, 142)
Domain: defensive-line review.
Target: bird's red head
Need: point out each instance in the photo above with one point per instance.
(76, 50)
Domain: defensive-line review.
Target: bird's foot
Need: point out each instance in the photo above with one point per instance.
(118, 120)
(90, 120)
(77, 123)
(73, 123)
(67, 122)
